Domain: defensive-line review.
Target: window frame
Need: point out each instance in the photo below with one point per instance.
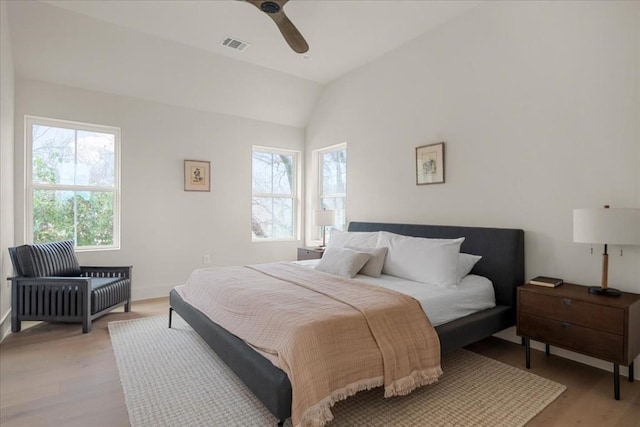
(317, 233)
(295, 193)
(30, 186)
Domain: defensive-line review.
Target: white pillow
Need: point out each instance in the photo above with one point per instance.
(352, 239)
(433, 261)
(342, 261)
(466, 263)
(373, 267)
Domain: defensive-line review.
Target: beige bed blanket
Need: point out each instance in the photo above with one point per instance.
(332, 336)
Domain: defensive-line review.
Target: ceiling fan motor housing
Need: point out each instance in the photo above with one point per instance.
(270, 7)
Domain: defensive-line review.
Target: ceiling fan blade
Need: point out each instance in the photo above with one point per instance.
(292, 36)
(290, 32)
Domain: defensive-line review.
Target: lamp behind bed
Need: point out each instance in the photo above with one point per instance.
(324, 218)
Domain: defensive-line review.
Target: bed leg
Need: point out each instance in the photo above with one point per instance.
(170, 313)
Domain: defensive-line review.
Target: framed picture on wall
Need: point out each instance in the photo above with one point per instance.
(430, 164)
(197, 175)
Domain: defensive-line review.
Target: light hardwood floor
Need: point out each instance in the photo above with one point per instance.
(53, 375)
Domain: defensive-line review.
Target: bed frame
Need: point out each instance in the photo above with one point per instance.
(502, 262)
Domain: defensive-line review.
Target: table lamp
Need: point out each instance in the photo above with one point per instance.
(607, 226)
(324, 218)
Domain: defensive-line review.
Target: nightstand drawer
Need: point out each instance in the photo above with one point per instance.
(309, 253)
(572, 336)
(596, 316)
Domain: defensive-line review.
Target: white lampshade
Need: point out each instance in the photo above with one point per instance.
(610, 226)
(324, 217)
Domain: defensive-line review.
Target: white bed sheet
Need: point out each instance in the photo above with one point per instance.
(441, 305)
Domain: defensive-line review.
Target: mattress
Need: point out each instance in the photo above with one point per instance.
(441, 305)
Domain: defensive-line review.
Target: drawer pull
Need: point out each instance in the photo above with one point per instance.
(565, 325)
(566, 301)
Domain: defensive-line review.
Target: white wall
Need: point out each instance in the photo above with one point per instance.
(6, 168)
(539, 106)
(165, 230)
(55, 45)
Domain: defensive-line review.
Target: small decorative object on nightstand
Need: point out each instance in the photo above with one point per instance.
(310, 253)
(613, 226)
(549, 282)
(569, 317)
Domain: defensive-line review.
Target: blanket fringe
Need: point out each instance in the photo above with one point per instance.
(320, 414)
(405, 385)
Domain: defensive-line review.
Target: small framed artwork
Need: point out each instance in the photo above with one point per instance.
(430, 164)
(197, 175)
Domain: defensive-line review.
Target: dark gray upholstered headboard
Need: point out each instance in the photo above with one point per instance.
(502, 251)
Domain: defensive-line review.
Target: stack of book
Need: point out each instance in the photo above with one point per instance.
(550, 282)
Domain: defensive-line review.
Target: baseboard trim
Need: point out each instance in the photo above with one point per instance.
(137, 294)
(510, 335)
(151, 292)
(5, 325)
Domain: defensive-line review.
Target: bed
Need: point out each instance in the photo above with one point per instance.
(502, 262)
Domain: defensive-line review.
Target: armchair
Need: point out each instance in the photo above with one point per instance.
(50, 285)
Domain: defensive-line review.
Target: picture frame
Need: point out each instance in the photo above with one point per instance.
(197, 175)
(430, 164)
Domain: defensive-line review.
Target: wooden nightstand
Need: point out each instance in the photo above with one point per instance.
(310, 253)
(569, 317)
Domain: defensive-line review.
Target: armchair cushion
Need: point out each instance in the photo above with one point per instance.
(101, 282)
(47, 259)
(108, 291)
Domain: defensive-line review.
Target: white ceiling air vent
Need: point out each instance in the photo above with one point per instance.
(234, 44)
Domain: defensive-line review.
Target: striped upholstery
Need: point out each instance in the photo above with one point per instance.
(47, 259)
(108, 291)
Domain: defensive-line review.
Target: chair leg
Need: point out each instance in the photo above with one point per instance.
(16, 324)
(127, 306)
(170, 316)
(86, 293)
(86, 324)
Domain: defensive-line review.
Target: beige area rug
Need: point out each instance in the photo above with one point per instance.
(170, 377)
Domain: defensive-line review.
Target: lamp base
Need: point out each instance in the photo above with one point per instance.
(597, 290)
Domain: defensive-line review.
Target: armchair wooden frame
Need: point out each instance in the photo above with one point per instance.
(82, 299)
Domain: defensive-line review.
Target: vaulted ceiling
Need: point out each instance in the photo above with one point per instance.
(171, 52)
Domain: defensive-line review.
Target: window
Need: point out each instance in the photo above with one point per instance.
(274, 207)
(332, 180)
(73, 183)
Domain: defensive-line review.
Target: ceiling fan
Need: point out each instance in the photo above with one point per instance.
(274, 8)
